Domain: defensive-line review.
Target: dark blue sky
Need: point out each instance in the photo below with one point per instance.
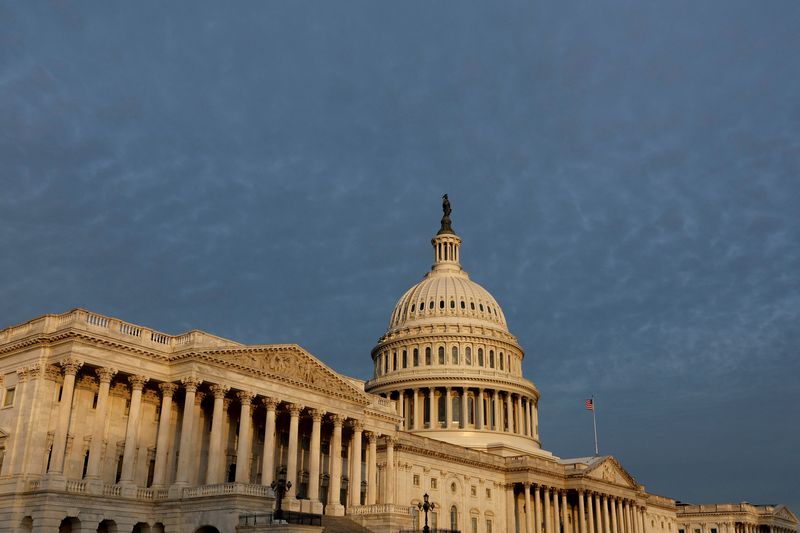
(625, 176)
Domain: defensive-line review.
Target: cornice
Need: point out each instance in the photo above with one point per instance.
(386, 383)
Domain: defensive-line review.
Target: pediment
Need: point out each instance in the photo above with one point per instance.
(610, 471)
(3, 433)
(290, 363)
(784, 513)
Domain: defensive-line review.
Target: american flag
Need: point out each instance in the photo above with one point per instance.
(590, 404)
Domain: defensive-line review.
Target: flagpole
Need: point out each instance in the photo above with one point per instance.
(594, 423)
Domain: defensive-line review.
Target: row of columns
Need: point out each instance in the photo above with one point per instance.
(187, 457)
(547, 510)
(494, 410)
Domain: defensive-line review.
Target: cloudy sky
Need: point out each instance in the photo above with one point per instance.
(625, 177)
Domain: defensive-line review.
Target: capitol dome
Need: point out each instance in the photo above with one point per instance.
(451, 364)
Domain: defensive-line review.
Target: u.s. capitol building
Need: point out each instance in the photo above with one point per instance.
(107, 426)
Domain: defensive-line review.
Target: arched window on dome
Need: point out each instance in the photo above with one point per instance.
(441, 355)
(455, 355)
(405, 359)
(463, 305)
(430, 306)
(501, 359)
(452, 304)
(428, 356)
(378, 365)
(385, 362)
(480, 306)
(472, 305)
(491, 358)
(468, 356)
(416, 357)
(394, 359)
(480, 356)
(441, 304)
(412, 307)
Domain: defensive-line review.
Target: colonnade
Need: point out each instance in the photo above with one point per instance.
(548, 509)
(186, 470)
(478, 409)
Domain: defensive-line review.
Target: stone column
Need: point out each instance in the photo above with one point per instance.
(535, 410)
(215, 452)
(479, 410)
(268, 454)
(537, 510)
(401, 406)
(162, 443)
(624, 523)
(355, 464)
(448, 409)
(390, 468)
(462, 420)
(132, 429)
(606, 513)
(528, 509)
(498, 420)
(518, 418)
(509, 415)
(314, 458)
(198, 434)
(372, 468)
(581, 512)
(433, 409)
(564, 511)
(556, 514)
(71, 367)
(334, 506)
(291, 460)
(598, 514)
(187, 428)
(548, 524)
(243, 455)
(632, 517)
(590, 518)
(94, 469)
(612, 503)
(416, 418)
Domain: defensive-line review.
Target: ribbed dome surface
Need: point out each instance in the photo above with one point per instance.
(447, 294)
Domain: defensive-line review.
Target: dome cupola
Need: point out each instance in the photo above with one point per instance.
(450, 362)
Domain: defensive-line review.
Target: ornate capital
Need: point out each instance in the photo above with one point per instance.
(338, 420)
(245, 397)
(52, 373)
(316, 415)
(34, 371)
(106, 374)
(269, 403)
(71, 366)
(191, 383)
(137, 382)
(294, 409)
(219, 391)
(357, 425)
(390, 440)
(168, 389)
(198, 397)
(372, 437)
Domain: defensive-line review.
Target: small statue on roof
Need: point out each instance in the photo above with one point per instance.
(446, 227)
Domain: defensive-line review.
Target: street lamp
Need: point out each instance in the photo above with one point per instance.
(426, 506)
(280, 487)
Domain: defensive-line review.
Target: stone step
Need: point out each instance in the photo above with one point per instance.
(342, 524)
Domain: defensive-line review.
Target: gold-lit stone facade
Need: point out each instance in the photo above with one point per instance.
(109, 426)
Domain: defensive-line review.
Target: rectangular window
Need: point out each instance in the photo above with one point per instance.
(416, 480)
(473, 490)
(433, 482)
(8, 400)
(488, 526)
(474, 524)
(405, 359)
(416, 357)
(394, 360)
(94, 401)
(713, 530)
(489, 493)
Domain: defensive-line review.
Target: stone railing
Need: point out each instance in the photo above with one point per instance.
(112, 490)
(74, 485)
(716, 508)
(379, 508)
(151, 494)
(221, 489)
(82, 319)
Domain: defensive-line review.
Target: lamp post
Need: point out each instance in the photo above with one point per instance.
(426, 506)
(280, 487)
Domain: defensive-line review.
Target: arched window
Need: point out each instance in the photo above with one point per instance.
(472, 305)
(412, 307)
(455, 355)
(453, 518)
(491, 358)
(441, 355)
(405, 359)
(385, 362)
(430, 305)
(441, 304)
(378, 365)
(428, 356)
(501, 360)
(452, 304)
(463, 306)
(394, 360)
(468, 355)
(416, 357)
(470, 410)
(480, 356)
(456, 404)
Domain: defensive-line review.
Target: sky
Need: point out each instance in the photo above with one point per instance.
(625, 176)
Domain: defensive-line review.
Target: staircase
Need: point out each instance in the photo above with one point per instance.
(341, 524)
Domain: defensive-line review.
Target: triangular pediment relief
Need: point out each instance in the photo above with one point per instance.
(784, 513)
(3, 433)
(289, 363)
(610, 471)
